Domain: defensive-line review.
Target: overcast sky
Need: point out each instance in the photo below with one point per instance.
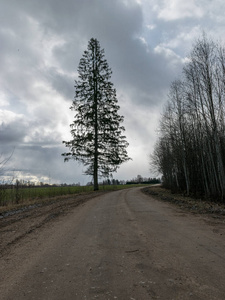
(146, 43)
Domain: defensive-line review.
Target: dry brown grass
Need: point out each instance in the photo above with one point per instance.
(187, 203)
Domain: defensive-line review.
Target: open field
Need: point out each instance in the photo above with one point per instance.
(16, 197)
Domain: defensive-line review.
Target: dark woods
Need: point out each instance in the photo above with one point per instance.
(190, 152)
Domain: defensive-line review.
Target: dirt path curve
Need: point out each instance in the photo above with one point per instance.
(121, 245)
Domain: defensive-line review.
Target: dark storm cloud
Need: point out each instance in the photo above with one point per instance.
(62, 83)
(12, 133)
(43, 163)
(114, 23)
(117, 26)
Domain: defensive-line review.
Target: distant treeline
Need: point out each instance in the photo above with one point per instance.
(190, 152)
(21, 184)
(149, 181)
(136, 180)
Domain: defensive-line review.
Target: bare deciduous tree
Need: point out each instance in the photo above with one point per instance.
(190, 152)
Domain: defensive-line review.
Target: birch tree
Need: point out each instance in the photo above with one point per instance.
(193, 124)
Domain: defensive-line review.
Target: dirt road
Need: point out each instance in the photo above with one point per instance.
(121, 245)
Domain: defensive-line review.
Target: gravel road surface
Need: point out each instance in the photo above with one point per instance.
(121, 245)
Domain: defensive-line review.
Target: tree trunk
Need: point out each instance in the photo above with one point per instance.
(95, 121)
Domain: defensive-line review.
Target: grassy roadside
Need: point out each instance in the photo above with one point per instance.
(11, 199)
(187, 203)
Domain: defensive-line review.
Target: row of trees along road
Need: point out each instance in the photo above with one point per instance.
(97, 134)
(190, 151)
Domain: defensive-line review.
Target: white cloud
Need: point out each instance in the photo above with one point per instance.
(178, 9)
(8, 116)
(151, 26)
(3, 99)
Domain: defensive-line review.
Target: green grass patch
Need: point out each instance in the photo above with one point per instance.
(16, 195)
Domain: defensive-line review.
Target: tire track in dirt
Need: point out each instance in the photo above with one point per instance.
(15, 225)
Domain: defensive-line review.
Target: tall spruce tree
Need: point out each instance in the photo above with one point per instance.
(97, 135)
